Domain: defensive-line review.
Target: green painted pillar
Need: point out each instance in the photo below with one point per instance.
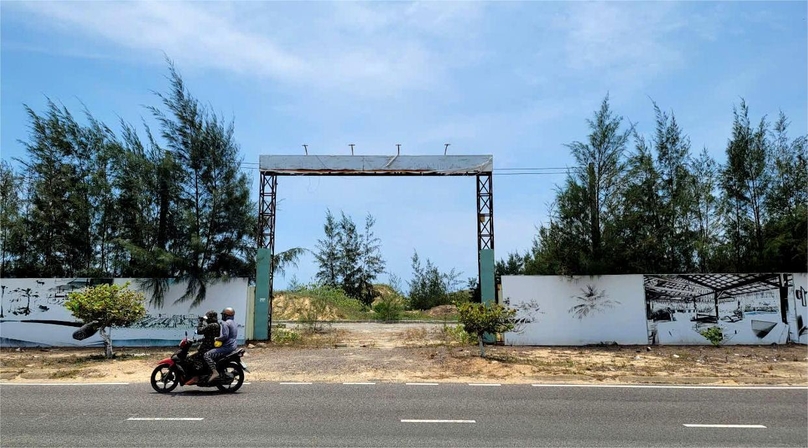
(262, 299)
(487, 283)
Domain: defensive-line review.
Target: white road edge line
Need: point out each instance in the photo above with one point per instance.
(63, 384)
(406, 420)
(653, 386)
(165, 418)
(485, 384)
(292, 383)
(696, 425)
(421, 384)
(359, 384)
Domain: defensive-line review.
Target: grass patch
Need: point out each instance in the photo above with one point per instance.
(65, 373)
(308, 337)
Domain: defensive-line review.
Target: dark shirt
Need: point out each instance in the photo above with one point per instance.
(210, 331)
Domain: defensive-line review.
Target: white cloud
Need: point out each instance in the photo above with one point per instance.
(364, 49)
(622, 42)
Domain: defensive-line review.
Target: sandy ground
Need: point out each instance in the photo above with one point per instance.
(427, 352)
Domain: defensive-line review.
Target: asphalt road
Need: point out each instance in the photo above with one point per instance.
(388, 414)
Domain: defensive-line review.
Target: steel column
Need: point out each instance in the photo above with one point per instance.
(485, 212)
(485, 238)
(266, 232)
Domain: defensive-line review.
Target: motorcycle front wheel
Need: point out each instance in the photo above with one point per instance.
(234, 370)
(164, 378)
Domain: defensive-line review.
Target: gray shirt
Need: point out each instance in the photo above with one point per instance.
(229, 335)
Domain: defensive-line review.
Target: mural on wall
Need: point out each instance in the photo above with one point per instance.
(717, 308)
(32, 313)
(577, 310)
(798, 300)
(591, 301)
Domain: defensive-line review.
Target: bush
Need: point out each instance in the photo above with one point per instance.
(714, 335)
(456, 334)
(481, 318)
(284, 336)
(388, 308)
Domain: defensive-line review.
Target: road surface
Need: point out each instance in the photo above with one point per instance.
(396, 414)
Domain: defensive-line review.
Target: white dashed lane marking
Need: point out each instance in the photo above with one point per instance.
(406, 420)
(184, 419)
(697, 425)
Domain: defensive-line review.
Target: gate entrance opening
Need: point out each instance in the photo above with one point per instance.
(273, 166)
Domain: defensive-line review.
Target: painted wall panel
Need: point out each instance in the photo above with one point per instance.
(578, 310)
(32, 313)
(798, 299)
(746, 308)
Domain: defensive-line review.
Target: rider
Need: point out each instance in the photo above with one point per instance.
(210, 329)
(228, 336)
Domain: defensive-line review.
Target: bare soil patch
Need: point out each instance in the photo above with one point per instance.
(430, 352)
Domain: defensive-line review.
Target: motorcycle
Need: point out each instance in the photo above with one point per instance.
(178, 370)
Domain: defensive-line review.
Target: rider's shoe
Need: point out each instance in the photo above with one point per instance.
(213, 376)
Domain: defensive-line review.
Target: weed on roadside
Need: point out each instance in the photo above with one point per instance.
(65, 373)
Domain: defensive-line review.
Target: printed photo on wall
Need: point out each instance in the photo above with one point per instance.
(717, 308)
(32, 313)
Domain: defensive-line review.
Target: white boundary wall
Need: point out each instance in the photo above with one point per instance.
(609, 309)
(798, 302)
(593, 310)
(33, 313)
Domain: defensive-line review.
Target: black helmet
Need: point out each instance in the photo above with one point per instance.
(212, 316)
(228, 313)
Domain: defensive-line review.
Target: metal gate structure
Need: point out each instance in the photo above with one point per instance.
(272, 166)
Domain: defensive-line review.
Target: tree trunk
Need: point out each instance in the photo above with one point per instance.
(107, 337)
(482, 347)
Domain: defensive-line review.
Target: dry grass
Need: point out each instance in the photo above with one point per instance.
(416, 352)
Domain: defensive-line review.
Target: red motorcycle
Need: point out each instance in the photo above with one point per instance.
(178, 370)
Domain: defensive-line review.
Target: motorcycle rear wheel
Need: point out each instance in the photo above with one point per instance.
(164, 378)
(234, 369)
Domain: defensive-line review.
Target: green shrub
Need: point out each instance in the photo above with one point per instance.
(284, 336)
(714, 335)
(388, 308)
(456, 334)
(481, 318)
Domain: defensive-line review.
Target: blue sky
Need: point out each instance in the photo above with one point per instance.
(516, 80)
